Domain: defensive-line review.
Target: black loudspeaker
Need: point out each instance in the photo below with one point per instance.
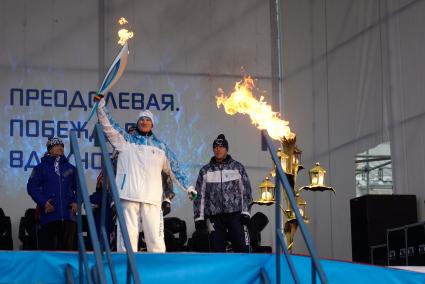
(406, 245)
(416, 244)
(372, 215)
(378, 254)
(396, 240)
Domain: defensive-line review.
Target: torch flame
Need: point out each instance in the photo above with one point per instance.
(241, 100)
(124, 34)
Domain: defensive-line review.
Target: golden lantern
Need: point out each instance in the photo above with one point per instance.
(317, 179)
(317, 175)
(266, 192)
(302, 206)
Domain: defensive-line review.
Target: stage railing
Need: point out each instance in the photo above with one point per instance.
(101, 249)
(281, 178)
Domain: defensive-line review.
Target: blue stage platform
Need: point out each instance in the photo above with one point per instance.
(188, 268)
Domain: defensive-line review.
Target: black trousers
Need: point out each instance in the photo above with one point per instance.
(58, 235)
(224, 227)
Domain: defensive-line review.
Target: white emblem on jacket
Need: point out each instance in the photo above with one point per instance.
(222, 176)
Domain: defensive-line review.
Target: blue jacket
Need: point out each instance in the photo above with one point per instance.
(44, 184)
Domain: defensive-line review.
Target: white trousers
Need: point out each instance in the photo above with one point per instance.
(144, 216)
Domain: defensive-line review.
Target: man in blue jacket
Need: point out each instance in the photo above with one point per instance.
(52, 185)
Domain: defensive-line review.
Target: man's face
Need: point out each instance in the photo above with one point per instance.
(144, 124)
(56, 150)
(220, 153)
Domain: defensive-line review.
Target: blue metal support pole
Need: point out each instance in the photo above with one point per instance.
(84, 260)
(103, 203)
(303, 228)
(280, 237)
(278, 222)
(114, 192)
(288, 258)
(97, 273)
(79, 232)
(82, 255)
(109, 256)
(264, 277)
(85, 198)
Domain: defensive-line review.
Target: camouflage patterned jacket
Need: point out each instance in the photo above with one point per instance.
(222, 188)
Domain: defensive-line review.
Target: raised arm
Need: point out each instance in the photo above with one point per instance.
(116, 135)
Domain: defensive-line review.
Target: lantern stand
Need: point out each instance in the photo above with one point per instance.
(290, 158)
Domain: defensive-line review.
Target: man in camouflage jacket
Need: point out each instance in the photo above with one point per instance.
(224, 196)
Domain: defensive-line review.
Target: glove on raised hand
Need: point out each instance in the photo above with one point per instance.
(98, 97)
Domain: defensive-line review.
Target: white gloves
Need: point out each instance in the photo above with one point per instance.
(191, 192)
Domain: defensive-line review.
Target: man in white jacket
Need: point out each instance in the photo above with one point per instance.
(141, 160)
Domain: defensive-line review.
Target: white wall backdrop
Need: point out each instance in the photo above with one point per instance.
(353, 77)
